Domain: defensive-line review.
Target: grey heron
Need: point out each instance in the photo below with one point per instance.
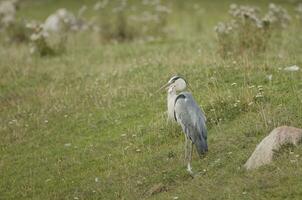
(185, 111)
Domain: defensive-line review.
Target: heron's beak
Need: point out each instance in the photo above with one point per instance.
(162, 87)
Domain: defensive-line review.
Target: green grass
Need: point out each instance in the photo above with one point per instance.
(88, 125)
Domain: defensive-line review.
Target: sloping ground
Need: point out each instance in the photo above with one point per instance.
(87, 124)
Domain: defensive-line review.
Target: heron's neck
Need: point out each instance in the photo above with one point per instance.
(171, 100)
(171, 93)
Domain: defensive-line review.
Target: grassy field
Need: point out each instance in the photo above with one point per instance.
(87, 124)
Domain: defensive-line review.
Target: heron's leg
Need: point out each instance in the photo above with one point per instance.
(186, 148)
(190, 150)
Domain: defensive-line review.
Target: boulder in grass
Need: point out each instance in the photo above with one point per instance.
(63, 20)
(264, 151)
(59, 21)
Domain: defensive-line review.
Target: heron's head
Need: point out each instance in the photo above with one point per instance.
(177, 83)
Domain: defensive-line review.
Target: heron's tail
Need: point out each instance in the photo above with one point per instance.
(201, 146)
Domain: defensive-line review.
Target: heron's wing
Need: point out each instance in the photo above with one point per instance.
(192, 120)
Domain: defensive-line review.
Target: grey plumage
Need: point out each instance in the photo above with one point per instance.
(192, 120)
(184, 110)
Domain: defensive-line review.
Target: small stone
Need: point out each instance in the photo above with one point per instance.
(293, 68)
(67, 144)
(259, 95)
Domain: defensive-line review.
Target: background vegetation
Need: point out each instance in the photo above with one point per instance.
(86, 123)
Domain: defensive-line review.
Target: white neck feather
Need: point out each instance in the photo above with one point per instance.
(171, 100)
(177, 86)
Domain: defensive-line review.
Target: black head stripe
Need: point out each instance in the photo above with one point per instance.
(173, 79)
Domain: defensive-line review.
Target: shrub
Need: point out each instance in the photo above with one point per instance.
(44, 44)
(277, 17)
(248, 32)
(7, 13)
(12, 29)
(17, 32)
(299, 11)
(124, 21)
